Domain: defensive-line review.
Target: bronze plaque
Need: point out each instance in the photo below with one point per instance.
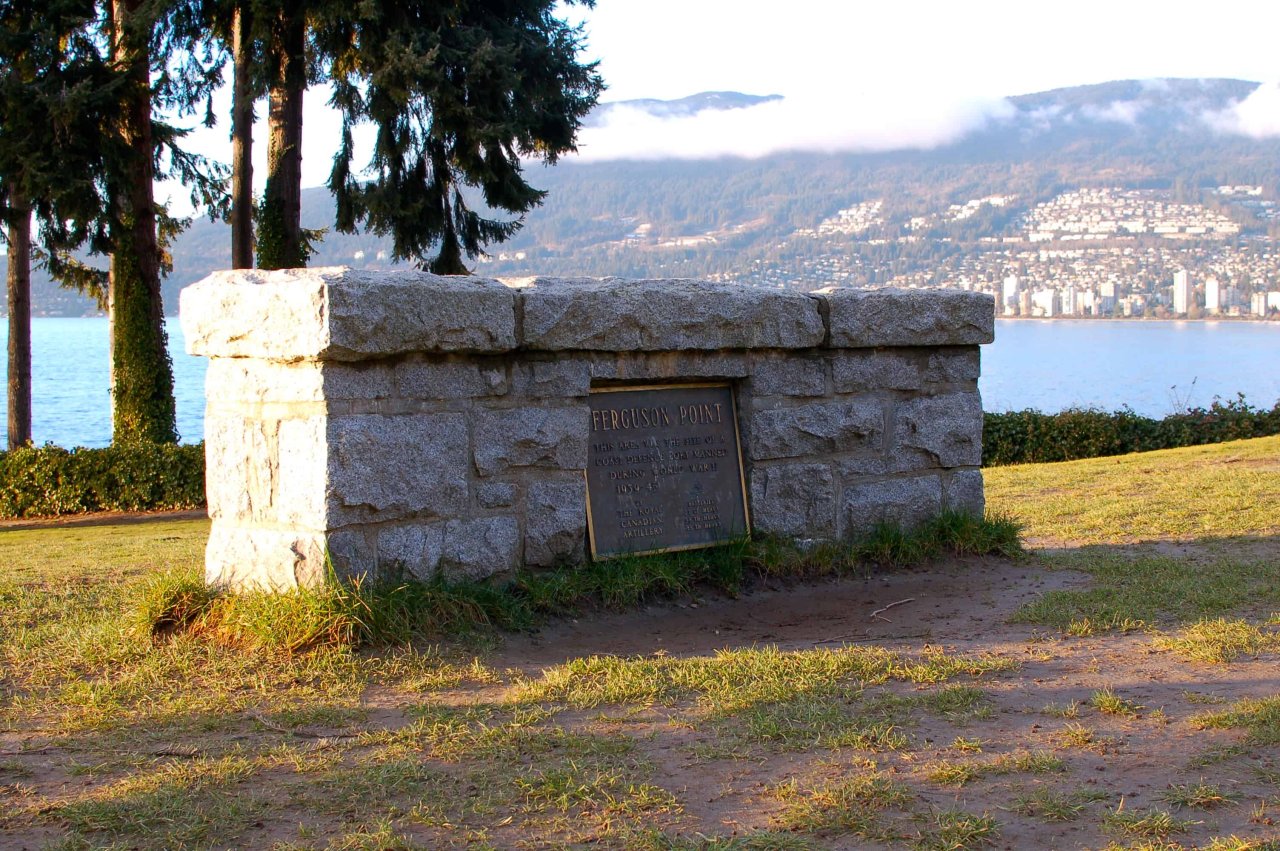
(664, 471)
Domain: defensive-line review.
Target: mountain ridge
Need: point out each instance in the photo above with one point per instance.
(717, 217)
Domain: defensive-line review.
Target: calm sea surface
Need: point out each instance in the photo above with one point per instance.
(1153, 367)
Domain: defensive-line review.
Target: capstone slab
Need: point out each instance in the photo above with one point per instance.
(662, 315)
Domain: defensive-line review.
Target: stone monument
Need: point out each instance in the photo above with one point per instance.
(403, 423)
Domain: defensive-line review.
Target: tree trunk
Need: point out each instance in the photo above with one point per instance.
(142, 375)
(19, 286)
(242, 139)
(280, 242)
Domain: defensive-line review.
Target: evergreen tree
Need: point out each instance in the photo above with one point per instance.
(459, 91)
(282, 244)
(163, 57)
(54, 95)
(142, 373)
(243, 94)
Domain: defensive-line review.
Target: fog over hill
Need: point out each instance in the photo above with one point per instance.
(728, 214)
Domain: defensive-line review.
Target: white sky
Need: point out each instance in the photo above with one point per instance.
(871, 75)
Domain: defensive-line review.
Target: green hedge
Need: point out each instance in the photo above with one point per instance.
(49, 480)
(1029, 437)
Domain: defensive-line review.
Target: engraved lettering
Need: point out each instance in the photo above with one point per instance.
(673, 479)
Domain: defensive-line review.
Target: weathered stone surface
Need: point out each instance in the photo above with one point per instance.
(247, 558)
(777, 374)
(531, 437)
(612, 314)
(817, 429)
(304, 473)
(351, 553)
(661, 366)
(900, 317)
(794, 499)
(383, 468)
(240, 464)
(348, 381)
(938, 431)
(415, 549)
(337, 313)
(440, 379)
(555, 523)
(563, 378)
(477, 549)
(954, 365)
(249, 381)
(962, 491)
(861, 464)
(864, 370)
(248, 313)
(495, 494)
(907, 502)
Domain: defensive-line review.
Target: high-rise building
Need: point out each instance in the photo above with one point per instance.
(1070, 301)
(1212, 296)
(1044, 303)
(1106, 297)
(1181, 291)
(1011, 290)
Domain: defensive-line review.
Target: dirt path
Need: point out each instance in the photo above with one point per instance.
(953, 603)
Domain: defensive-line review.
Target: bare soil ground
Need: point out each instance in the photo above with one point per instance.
(965, 607)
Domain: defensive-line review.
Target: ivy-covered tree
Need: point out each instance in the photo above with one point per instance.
(273, 57)
(459, 91)
(166, 63)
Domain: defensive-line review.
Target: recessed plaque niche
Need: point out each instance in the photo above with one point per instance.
(664, 469)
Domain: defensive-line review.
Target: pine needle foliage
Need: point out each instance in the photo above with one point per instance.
(460, 93)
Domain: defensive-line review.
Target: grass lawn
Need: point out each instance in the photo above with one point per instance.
(1115, 688)
(1198, 492)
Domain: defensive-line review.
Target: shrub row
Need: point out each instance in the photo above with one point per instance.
(39, 481)
(1030, 437)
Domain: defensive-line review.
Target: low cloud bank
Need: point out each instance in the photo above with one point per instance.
(853, 122)
(1257, 116)
(862, 122)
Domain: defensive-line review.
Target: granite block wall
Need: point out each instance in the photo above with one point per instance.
(400, 422)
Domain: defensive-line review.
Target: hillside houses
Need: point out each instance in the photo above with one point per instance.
(1108, 214)
(1085, 252)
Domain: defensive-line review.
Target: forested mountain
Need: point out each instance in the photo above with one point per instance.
(728, 216)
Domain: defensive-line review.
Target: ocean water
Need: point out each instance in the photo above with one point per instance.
(70, 398)
(1153, 367)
